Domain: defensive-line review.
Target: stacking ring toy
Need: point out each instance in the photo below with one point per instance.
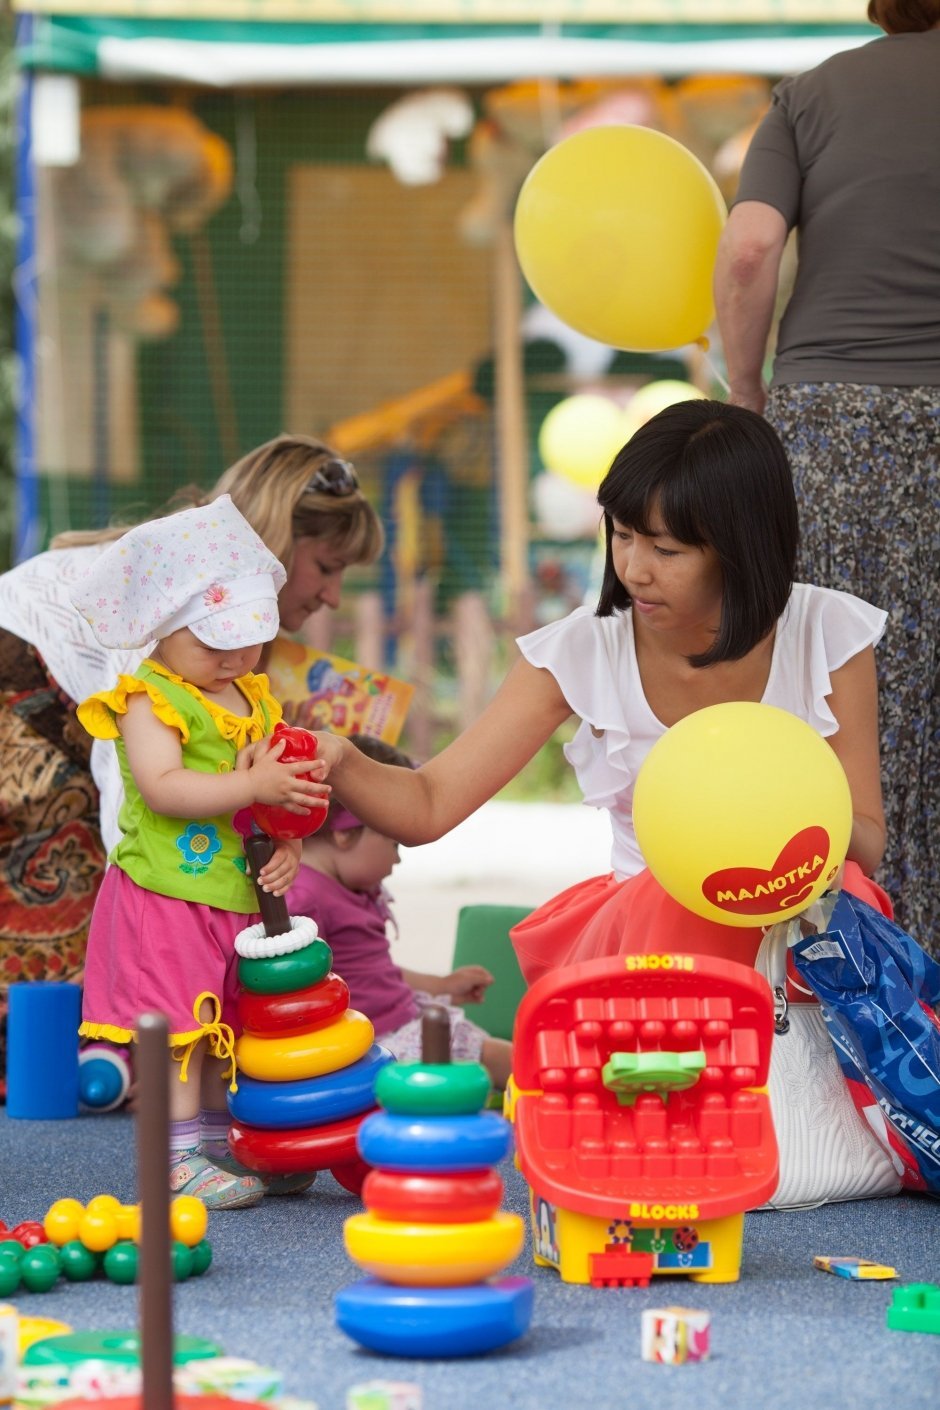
(283, 1015)
(443, 1144)
(433, 1255)
(433, 1199)
(296, 1150)
(306, 1054)
(281, 973)
(314, 1102)
(433, 1089)
(123, 1347)
(255, 943)
(465, 1321)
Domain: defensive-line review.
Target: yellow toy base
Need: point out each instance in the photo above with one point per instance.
(433, 1255)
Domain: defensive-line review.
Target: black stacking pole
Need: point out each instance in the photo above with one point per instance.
(153, 1158)
(435, 1034)
(259, 849)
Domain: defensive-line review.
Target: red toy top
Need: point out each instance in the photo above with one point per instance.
(278, 822)
(637, 1080)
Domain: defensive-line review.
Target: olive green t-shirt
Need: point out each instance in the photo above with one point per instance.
(849, 153)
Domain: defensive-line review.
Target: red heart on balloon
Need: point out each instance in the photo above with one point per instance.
(753, 891)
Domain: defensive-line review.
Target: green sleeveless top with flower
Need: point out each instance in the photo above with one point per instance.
(193, 859)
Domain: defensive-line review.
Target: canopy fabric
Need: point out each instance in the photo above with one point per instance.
(224, 54)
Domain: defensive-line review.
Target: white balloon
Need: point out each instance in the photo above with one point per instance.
(562, 510)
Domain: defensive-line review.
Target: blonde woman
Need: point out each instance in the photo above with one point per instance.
(58, 803)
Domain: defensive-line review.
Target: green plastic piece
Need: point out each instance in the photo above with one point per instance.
(202, 1257)
(181, 1260)
(281, 974)
(627, 1075)
(432, 1089)
(12, 1247)
(122, 1347)
(915, 1308)
(122, 1261)
(78, 1262)
(40, 1268)
(10, 1276)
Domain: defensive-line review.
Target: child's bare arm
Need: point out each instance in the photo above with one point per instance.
(155, 757)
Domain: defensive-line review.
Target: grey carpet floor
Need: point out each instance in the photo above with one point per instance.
(784, 1336)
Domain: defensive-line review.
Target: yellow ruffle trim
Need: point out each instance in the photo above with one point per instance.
(98, 711)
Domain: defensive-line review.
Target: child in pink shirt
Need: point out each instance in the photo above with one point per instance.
(340, 884)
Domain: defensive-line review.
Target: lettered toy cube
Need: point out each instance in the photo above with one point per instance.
(675, 1334)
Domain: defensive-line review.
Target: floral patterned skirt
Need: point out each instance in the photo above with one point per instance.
(866, 466)
(51, 856)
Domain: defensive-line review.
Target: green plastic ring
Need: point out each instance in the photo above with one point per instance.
(283, 973)
(432, 1089)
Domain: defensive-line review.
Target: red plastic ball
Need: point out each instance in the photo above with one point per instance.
(29, 1233)
(277, 822)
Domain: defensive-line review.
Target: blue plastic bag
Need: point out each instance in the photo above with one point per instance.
(877, 989)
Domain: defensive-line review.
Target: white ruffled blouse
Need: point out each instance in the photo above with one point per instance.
(593, 659)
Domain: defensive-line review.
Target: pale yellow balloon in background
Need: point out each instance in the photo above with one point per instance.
(580, 437)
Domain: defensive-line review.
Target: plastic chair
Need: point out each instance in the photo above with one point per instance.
(483, 938)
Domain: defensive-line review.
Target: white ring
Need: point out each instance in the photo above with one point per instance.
(254, 944)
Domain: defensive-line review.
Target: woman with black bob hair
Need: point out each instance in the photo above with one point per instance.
(698, 607)
(710, 474)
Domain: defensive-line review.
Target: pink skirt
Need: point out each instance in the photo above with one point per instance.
(604, 916)
(154, 953)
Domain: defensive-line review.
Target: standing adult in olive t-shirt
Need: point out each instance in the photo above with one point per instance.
(849, 155)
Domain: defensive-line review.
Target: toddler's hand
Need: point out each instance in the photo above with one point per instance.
(277, 875)
(468, 984)
(280, 783)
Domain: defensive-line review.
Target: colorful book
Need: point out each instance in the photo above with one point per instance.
(322, 691)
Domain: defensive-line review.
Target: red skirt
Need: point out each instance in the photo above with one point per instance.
(604, 916)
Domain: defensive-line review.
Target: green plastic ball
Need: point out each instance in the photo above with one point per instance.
(40, 1268)
(122, 1261)
(13, 1247)
(181, 1261)
(202, 1257)
(78, 1262)
(10, 1276)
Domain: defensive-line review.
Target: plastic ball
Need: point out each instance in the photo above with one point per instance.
(29, 1233)
(11, 1248)
(103, 1204)
(202, 1257)
(62, 1220)
(98, 1231)
(181, 1261)
(743, 813)
(128, 1222)
(10, 1275)
(78, 1262)
(122, 1261)
(40, 1268)
(189, 1220)
(616, 230)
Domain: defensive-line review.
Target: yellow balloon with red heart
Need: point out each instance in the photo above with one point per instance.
(743, 813)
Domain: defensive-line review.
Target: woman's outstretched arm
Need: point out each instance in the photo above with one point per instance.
(419, 805)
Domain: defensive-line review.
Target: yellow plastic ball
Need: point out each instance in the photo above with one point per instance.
(98, 1231)
(101, 1204)
(128, 1222)
(616, 231)
(743, 813)
(189, 1220)
(62, 1221)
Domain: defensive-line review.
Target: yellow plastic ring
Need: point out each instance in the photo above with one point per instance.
(433, 1255)
(310, 1054)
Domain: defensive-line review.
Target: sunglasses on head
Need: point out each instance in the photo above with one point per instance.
(335, 477)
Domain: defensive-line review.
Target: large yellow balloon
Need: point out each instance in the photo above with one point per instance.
(580, 437)
(743, 813)
(616, 231)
